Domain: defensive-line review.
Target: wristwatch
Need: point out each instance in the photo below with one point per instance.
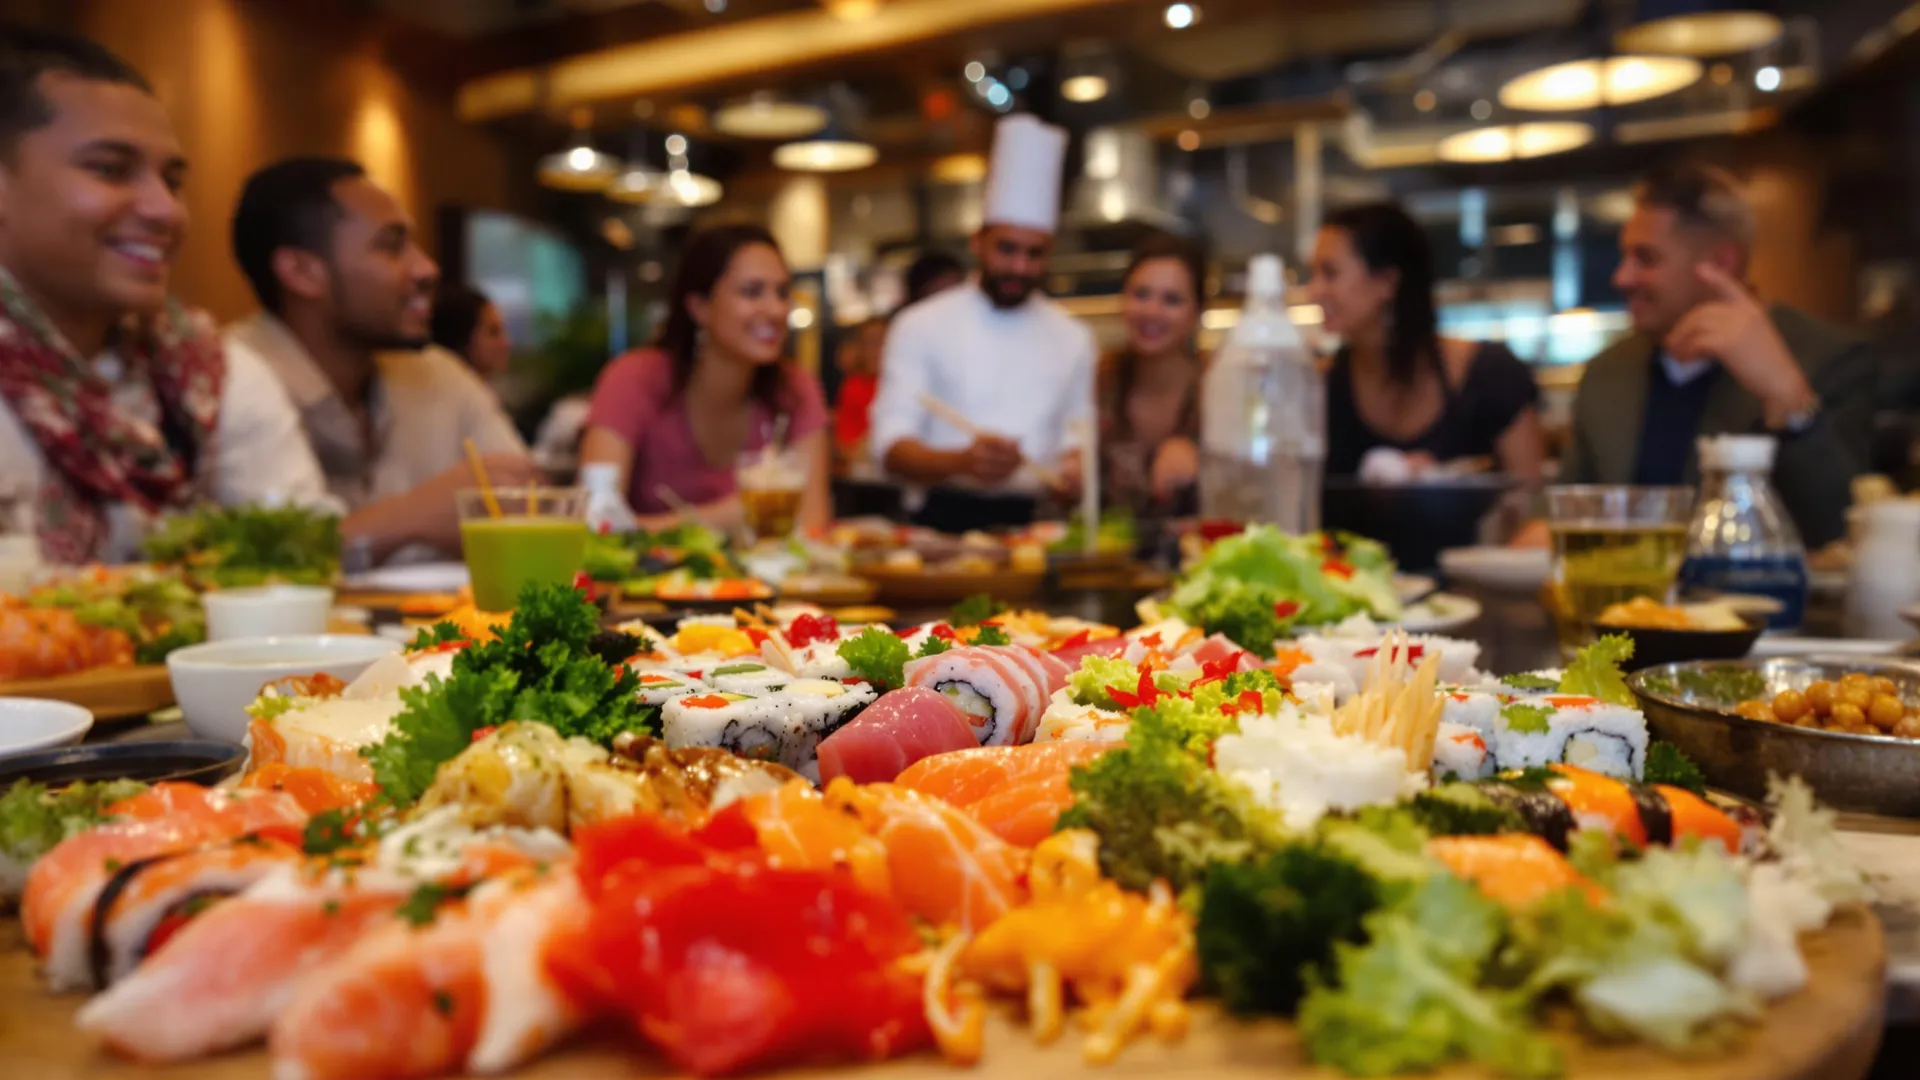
(1800, 421)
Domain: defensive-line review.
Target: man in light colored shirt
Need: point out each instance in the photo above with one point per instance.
(996, 354)
(347, 297)
(101, 406)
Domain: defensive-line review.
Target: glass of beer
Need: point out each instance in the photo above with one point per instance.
(515, 537)
(1612, 543)
(770, 483)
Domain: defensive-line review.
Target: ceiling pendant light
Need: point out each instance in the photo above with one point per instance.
(1698, 28)
(1579, 85)
(1514, 142)
(767, 116)
(834, 148)
(580, 167)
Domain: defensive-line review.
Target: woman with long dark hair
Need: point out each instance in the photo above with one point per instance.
(1396, 382)
(677, 418)
(468, 325)
(1148, 392)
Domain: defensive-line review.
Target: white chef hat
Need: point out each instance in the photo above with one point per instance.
(1023, 183)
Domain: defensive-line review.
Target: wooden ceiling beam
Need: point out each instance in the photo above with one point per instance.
(749, 48)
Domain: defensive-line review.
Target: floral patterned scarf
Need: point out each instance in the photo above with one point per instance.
(97, 455)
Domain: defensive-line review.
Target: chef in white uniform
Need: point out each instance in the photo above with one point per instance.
(998, 353)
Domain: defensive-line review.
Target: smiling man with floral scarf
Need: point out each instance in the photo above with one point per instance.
(116, 404)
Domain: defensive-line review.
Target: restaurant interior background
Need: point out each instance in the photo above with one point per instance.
(555, 151)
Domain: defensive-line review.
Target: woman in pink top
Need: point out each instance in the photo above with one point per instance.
(679, 415)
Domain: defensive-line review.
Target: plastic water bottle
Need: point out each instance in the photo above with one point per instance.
(1741, 540)
(1263, 416)
(607, 510)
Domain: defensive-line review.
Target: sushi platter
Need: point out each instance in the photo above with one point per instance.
(1264, 832)
(1829, 1031)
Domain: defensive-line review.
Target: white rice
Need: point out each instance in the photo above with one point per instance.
(785, 726)
(1068, 720)
(1460, 753)
(1610, 739)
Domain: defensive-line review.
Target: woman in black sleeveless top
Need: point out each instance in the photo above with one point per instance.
(1396, 382)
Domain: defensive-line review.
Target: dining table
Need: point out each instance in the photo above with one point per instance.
(1515, 633)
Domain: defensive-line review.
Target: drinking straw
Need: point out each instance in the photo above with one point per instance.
(480, 474)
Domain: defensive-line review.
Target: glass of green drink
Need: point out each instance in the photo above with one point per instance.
(514, 537)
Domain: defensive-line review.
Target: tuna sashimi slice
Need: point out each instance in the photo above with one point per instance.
(901, 728)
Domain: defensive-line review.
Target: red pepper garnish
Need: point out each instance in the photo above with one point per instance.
(1075, 641)
(481, 733)
(1410, 653)
(1252, 700)
(946, 633)
(1286, 609)
(808, 628)
(756, 635)
(1337, 568)
(585, 585)
(1217, 670)
(1145, 694)
(1151, 641)
(446, 646)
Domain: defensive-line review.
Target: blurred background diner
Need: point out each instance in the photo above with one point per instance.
(1528, 242)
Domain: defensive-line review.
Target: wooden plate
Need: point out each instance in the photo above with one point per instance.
(117, 693)
(905, 588)
(1828, 1031)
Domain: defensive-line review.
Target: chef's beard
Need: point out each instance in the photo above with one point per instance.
(1008, 290)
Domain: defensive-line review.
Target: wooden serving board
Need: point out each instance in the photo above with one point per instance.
(1829, 1031)
(114, 693)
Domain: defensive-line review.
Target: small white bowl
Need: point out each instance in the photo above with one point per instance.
(214, 683)
(1517, 570)
(29, 724)
(267, 611)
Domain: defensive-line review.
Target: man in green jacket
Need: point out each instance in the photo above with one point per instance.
(1707, 357)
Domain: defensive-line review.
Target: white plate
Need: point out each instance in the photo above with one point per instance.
(1520, 570)
(1439, 612)
(438, 577)
(1770, 645)
(29, 724)
(1412, 587)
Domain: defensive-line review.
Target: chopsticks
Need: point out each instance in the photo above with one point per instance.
(954, 417)
(480, 474)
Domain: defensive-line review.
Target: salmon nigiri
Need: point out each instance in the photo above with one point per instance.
(1016, 791)
(222, 979)
(57, 905)
(797, 830)
(1516, 870)
(468, 991)
(945, 866)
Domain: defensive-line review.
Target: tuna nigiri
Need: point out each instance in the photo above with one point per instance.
(470, 990)
(57, 904)
(1015, 791)
(904, 726)
(945, 867)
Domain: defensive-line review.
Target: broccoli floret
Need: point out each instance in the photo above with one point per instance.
(1264, 925)
(1160, 811)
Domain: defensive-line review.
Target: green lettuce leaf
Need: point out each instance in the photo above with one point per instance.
(1595, 671)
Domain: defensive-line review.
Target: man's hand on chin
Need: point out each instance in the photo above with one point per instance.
(1733, 329)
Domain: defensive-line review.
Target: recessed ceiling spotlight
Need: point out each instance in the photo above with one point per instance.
(1767, 78)
(1181, 16)
(1084, 88)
